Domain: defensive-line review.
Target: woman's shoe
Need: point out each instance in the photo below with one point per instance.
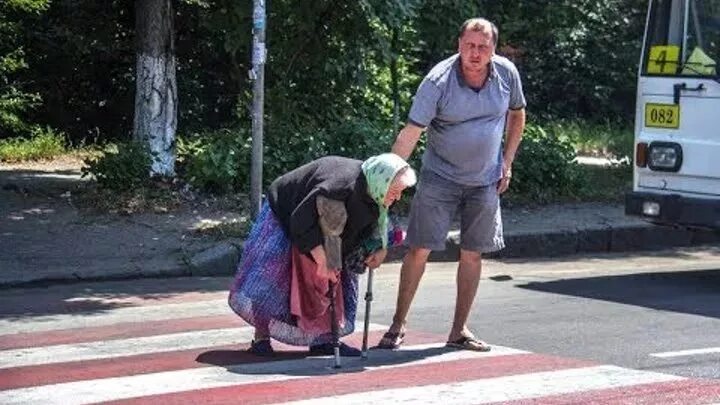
(261, 347)
(327, 349)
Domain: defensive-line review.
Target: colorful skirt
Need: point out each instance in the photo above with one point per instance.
(266, 279)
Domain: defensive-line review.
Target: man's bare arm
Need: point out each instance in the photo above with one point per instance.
(406, 140)
(513, 136)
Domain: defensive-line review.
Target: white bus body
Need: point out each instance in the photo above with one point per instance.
(676, 177)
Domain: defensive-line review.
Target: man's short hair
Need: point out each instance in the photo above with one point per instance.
(478, 24)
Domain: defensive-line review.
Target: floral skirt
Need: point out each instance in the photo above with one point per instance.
(261, 291)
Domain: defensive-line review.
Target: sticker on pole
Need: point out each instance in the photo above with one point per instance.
(259, 53)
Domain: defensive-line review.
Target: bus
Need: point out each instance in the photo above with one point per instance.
(676, 170)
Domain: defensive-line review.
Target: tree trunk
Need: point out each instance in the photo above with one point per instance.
(156, 85)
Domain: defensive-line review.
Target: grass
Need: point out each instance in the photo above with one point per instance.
(604, 183)
(606, 139)
(593, 184)
(44, 144)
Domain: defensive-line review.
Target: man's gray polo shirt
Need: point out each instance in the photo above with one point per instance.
(465, 126)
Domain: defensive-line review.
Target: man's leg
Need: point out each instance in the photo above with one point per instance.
(411, 272)
(468, 278)
(481, 231)
(433, 207)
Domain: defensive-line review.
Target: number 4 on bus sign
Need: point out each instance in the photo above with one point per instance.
(663, 59)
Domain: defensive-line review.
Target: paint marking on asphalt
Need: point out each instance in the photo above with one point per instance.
(99, 390)
(505, 388)
(690, 352)
(129, 347)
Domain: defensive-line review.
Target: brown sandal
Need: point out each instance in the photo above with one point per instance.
(391, 340)
(469, 343)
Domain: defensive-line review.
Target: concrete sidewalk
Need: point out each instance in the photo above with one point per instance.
(45, 238)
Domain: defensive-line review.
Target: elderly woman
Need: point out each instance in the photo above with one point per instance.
(328, 215)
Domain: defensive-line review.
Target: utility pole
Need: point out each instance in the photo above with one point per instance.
(257, 75)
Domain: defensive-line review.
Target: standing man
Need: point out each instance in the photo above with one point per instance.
(466, 103)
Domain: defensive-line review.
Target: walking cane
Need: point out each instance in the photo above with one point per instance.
(334, 325)
(368, 301)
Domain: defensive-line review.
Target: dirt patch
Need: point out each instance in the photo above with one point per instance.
(59, 225)
(61, 179)
(66, 163)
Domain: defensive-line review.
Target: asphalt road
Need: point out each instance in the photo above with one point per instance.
(639, 311)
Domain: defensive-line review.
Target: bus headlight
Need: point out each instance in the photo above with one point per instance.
(664, 156)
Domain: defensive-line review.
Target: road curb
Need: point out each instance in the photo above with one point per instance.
(567, 242)
(221, 259)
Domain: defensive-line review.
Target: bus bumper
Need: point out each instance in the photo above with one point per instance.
(674, 209)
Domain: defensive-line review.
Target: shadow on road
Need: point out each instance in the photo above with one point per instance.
(242, 362)
(89, 297)
(691, 292)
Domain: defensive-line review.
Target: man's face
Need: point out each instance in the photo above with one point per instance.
(476, 48)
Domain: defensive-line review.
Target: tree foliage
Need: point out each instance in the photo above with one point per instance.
(79, 56)
(335, 71)
(15, 98)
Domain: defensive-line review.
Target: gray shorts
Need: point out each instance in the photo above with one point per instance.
(434, 207)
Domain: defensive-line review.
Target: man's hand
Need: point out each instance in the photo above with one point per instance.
(504, 182)
(376, 259)
(513, 136)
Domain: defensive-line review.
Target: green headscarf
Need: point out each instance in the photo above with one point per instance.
(379, 172)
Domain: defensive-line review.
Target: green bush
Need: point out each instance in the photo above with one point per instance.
(122, 167)
(544, 170)
(44, 143)
(216, 161)
(605, 183)
(219, 161)
(544, 167)
(289, 146)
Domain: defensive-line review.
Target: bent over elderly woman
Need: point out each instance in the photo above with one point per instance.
(328, 215)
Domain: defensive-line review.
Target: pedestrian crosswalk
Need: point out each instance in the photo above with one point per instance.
(194, 352)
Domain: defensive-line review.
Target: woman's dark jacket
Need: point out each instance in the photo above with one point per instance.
(292, 198)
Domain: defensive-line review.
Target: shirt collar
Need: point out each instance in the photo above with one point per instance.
(461, 79)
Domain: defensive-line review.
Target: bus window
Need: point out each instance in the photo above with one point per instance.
(703, 39)
(683, 38)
